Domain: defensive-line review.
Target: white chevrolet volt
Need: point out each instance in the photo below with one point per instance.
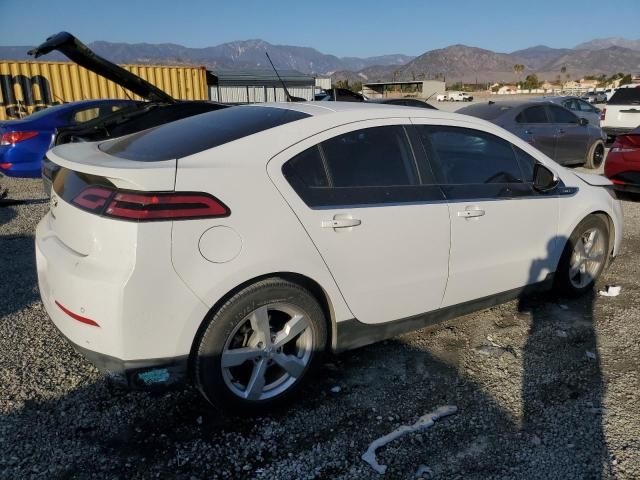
(233, 248)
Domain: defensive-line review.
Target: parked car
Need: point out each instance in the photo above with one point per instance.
(24, 142)
(609, 93)
(594, 97)
(454, 97)
(552, 129)
(236, 246)
(159, 108)
(403, 102)
(622, 165)
(622, 113)
(578, 106)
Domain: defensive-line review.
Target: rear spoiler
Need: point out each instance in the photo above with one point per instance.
(77, 51)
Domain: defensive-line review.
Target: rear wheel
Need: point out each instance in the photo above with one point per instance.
(259, 346)
(584, 256)
(595, 156)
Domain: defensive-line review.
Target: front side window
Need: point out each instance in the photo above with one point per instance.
(561, 115)
(535, 114)
(586, 106)
(466, 156)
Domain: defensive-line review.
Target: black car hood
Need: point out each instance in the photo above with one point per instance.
(77, 51)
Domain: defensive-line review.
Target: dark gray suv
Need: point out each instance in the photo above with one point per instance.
(552, 129)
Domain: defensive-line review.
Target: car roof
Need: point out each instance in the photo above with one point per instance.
(365, 109)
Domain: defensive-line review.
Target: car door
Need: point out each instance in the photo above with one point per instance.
(503, 233)
(379, 222)
(533, 126)
(571, 137)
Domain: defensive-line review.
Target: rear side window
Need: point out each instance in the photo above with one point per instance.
(535, 114)
(463, 156)
(372, 166)
(371, 157)
(198, 133)
(561, 115)
(625, 96)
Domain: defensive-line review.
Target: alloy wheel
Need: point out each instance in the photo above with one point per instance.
(598, 155)
(587, 258)
(267, 351)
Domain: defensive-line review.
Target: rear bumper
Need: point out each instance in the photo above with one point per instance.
(139, 374)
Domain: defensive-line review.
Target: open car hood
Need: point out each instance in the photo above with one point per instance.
(77, 51)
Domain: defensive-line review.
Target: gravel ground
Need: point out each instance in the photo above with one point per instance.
(544, 388)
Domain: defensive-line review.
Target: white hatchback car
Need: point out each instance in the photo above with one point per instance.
(234, 247)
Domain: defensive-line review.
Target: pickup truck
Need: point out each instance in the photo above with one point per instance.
(622, 113)
(454, 97)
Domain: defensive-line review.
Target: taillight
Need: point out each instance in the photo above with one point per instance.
(603, 113)
(626, 143)
(146, 206)
(93, 199)
(11, 138)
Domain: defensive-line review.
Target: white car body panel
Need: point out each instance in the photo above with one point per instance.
(379, 280)
(150, 287)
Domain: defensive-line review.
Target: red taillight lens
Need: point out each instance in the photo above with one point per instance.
(143, 206)
(6, 165)
(11, 138)
(146, 206)
(626, 143)
(603, 113)
(93, 199)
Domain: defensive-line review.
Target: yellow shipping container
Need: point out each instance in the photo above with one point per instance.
(26, 87)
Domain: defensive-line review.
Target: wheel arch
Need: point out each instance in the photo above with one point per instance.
(612, 233)
(308, 283)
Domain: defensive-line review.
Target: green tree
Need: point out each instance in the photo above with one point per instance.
(626, 80)
(531, 82)
(518, 68)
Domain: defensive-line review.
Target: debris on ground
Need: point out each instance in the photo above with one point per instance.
(591, 355)
(423, 472)
(424, 422)
(610, 291)
(336, 389)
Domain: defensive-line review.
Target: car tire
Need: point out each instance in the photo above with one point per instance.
(238, 364)
(584, 257)
(595, 155)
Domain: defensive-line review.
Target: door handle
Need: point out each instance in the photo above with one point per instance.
(528, 131)
(471, 213)
(561, 131)
(341, 221)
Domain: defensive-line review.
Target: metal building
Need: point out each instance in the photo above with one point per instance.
(26, 87)
(256, 86)
(419, 89)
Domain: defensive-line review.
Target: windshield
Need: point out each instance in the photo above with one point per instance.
(626, 96)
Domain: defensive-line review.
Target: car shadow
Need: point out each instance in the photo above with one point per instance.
(95, 429)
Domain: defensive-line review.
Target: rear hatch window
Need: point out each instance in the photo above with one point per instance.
(198, 133)
(626, 96)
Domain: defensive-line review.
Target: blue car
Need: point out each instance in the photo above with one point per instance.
(24, 142)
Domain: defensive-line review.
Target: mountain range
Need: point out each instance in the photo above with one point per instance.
(453, 63)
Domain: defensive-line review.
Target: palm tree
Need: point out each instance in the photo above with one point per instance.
(518, 68)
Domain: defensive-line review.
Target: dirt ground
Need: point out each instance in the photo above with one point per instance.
(544, 387)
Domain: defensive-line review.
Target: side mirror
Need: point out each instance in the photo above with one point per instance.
(583, 121)
(544, 179)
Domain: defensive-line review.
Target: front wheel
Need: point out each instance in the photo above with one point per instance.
(584, 256)
(259, 346)
(595, 156)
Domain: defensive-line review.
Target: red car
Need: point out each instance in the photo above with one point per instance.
(622, 165)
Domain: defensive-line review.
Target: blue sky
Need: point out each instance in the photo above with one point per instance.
(340, 28)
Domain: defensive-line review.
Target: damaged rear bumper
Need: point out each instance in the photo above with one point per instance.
(140, 374)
